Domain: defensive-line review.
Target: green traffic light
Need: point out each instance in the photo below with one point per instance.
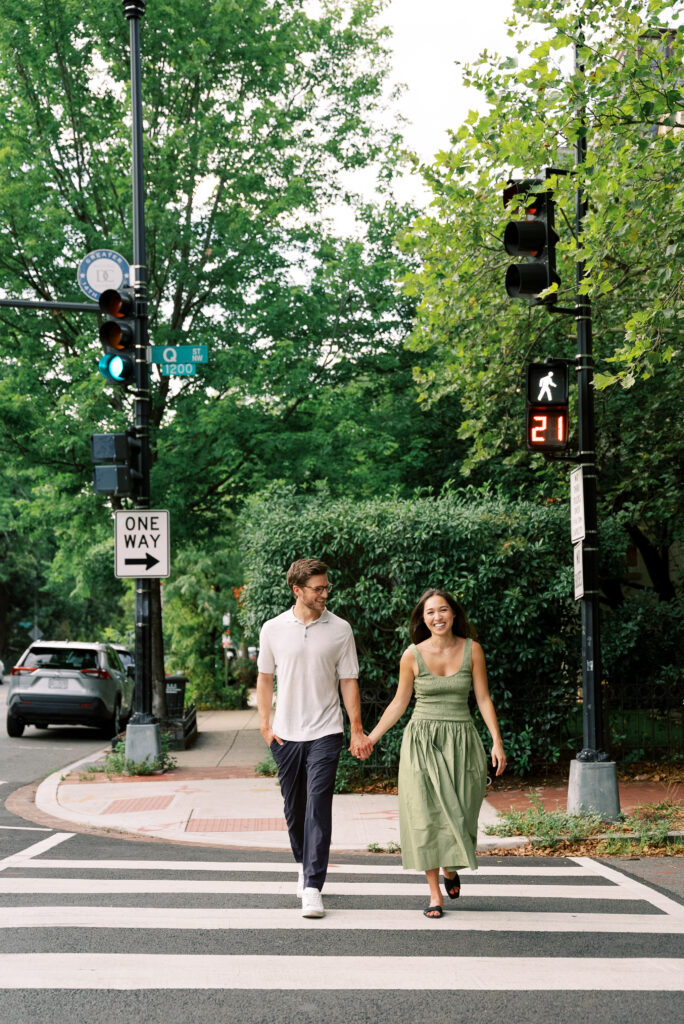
(116, 368)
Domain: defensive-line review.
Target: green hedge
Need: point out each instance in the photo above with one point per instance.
(509, 562)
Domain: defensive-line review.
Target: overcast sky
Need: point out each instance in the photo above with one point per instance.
(429, 37)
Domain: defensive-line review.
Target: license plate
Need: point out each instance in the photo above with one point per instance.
(58, 684)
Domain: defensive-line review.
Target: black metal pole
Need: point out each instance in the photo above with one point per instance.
(69, 307)
(592, 705)
(133, 11)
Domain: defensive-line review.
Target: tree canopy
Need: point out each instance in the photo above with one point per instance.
(624, 95)
(258, 117)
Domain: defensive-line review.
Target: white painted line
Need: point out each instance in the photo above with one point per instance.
(24, 857)
(220, 919)
(636, 890)
(125, 971)
(110, 886)
(25, 828)
(284, 867)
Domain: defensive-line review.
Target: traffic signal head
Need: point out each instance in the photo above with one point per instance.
(118, 335)
(533, 238)
(122, 471)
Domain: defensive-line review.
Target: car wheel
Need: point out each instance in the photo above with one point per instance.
(15, 727)
(115, 724)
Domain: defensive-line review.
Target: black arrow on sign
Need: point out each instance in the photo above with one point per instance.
(148, 561)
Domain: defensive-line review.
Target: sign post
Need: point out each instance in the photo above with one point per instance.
(142, 732)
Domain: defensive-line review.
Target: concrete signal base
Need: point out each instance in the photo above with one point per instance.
(592, 786)
(143, 742)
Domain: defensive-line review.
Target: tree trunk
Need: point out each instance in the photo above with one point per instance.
(656, 562)
(157, 641)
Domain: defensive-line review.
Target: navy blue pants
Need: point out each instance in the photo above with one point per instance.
(306, 771)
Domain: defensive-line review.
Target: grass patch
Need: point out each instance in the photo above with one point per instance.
(349, 778)
(645, 828)
(117, 763)
(267, 766)
(391, 847)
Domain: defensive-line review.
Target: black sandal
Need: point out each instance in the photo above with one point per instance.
(434, 913)
(452, 886)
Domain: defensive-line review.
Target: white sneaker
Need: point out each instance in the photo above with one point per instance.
(312, 903)
(300, 882)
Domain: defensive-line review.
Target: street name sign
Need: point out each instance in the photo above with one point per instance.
(179, 360)
(577, 527)
(141, 544)
(180, 354)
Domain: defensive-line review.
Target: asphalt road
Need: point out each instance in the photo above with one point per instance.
(41, 751)
(98, 929)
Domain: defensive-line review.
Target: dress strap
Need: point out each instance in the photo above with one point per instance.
(422, 667)
(467, 662)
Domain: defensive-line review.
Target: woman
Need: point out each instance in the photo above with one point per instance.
(443, 766)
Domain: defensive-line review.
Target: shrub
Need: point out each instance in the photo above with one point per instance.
(214, 696)
(244, 672)
(509, 562)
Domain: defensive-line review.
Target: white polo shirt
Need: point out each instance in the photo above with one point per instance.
(308, 659)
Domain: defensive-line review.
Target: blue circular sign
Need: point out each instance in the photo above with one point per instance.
(100, 270)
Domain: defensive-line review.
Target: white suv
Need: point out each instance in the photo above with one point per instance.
(69, 683)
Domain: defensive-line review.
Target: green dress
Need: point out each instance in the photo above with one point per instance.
(442, 772)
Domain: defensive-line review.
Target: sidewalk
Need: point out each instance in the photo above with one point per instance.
(214, 797)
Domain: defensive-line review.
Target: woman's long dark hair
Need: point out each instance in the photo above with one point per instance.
(460, 627)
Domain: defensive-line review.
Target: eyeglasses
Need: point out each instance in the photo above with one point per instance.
(319, 590)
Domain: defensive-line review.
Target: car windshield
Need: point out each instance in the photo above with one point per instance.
(126, 657)
(62, 657)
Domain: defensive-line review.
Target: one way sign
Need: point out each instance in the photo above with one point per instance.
(141, 543)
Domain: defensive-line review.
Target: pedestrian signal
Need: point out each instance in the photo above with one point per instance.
(118, 463)
(547, 406)
(547, 383)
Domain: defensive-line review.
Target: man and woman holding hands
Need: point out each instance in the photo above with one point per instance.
(443, 766)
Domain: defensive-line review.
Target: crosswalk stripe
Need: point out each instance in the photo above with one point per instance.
(215, 919)
(111, 886)
(636, 890)
(24, 828)
(289, 868)
(123, 971)
(34, 851)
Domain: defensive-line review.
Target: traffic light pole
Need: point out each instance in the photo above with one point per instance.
(593, 731)
(593, 777)
(142, 733)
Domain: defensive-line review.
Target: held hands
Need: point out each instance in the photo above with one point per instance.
(498, 758)
(360, 746)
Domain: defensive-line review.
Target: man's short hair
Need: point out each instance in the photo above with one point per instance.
(303, 569)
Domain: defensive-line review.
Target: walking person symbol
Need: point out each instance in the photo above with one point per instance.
(545, 385)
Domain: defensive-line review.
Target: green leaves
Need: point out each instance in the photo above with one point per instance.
(508, 561)
(470, 342)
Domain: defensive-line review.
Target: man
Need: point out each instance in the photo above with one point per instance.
(313, 655)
